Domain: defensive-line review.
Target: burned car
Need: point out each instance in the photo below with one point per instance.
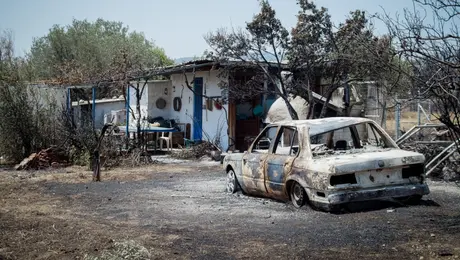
(326, 163)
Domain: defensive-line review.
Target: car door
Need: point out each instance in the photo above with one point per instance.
(253, 164)
(279, 162)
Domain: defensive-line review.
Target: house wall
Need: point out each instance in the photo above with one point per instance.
(133, 102)
(214, 122)
(101, 110)
(152, 91)
(53, 98)
(106, 108)
(156, 90)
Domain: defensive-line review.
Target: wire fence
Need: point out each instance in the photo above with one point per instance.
(398, 117)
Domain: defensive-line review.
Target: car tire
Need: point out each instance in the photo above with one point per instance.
(298, 195)
(232, 182)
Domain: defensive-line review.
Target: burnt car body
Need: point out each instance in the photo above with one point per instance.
(327, 163)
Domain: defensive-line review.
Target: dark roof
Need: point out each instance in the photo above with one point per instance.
(205, 64)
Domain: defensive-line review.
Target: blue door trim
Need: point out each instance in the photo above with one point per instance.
(198, 109)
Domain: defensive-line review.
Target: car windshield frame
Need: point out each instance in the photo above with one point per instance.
(355, 142)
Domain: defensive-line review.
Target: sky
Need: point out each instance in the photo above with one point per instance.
(178, 26)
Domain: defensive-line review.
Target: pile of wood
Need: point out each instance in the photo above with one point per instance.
(196, 151)
(51, 157)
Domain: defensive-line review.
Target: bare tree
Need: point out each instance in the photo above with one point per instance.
(264, 45)
(428, 38)
(312, 50)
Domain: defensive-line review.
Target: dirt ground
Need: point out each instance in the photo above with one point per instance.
(180, 211)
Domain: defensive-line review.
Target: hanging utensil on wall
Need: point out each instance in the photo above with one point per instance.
(209, 104)
(177, 104)
(218, 104)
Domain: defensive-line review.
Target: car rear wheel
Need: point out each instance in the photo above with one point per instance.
(298, 195)
(232, 182)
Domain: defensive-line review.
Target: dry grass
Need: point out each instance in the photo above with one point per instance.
(78, 174)
(35, 224)
(408, 120)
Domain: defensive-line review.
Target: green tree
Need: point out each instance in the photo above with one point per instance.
(87, 52)
(101, 53)
(26, 124)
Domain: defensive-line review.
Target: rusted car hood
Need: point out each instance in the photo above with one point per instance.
(361, 161)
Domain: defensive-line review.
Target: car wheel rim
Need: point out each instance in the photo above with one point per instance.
(230, 182)
(297, 194)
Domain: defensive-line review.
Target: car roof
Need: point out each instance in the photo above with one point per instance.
(323, 125)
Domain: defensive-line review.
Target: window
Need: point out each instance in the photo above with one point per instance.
(359, 136)
(370, 136)
(263, 142)
(288, 142)
(340, 139)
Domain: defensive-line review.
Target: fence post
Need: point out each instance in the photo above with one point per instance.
(419, 119)
(429, 110)
(397, 119)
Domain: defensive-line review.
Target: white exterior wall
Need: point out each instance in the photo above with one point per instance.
(156, 90)
(153, 90)
(176, 88)
(133, 102)
(211, 119)
(106, 108)
(101, 109)
(47, 96)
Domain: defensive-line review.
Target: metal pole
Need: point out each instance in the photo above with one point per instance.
(68, 101)
(397, 119)
(419, 119)
(93, 107)
(127, 112)
(429, 110)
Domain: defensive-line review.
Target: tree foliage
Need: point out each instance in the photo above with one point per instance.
(27, 123)
(88, 52)
(103, 53)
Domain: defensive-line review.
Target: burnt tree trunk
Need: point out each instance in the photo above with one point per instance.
(326, 102)
(96, 154)
(383, 120)
(311, 105)
(138, 111)
(329, 93)
(290, 108)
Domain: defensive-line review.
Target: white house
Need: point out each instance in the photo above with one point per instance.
(233, 123)
(205, 110)
(208, 120)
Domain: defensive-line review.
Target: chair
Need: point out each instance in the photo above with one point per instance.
(166, 137)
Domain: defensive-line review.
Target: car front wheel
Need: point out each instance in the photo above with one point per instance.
(298, 195)
(232, 183)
